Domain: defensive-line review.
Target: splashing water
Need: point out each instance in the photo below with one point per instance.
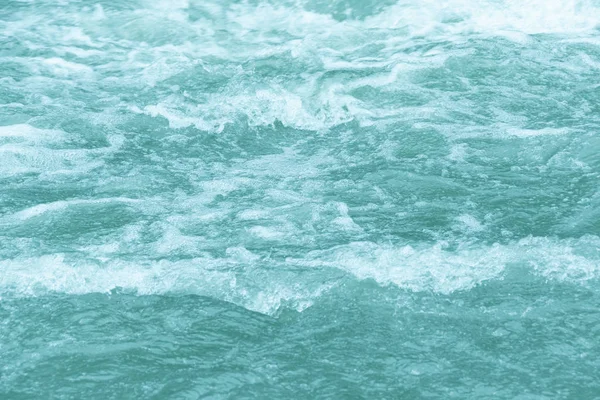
(299, 199)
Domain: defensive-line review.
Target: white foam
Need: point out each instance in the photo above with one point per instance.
(63, 204)
(470, 223)
(319, 43)
(24, 148)
(257, 283)
(344, 221)
(507, 18)
(98, 13)
(266, 232)
(435, 268)
(249, 215)
(261, 107)
(78, 52)
(163, 5)
(458, 152)
(453, 17)
(54, 273)
(174, 241)
(538, 132)
(331, 55)
(76, 35)
(164, 68)
(297, 22)
(30, 134)
(251, 288)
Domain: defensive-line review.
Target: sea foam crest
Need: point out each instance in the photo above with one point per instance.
(264, 285)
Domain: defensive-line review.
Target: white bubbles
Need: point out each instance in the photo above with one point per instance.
(240, 276)
(58, 206)
(29, 134)
(98, 13)
(61, 68)
(26, 149)
(261, 107)
(206, 276)
(525, 133)
(265, 232)
(129, 50)
(439, 269)
(506, 18)
(470, 223)
(230, 131)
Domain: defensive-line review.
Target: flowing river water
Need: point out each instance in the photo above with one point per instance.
(299, 199)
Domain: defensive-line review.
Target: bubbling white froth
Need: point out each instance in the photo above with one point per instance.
(265, 285)
(438, 269)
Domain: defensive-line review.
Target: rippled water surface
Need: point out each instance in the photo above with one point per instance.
(299, 199)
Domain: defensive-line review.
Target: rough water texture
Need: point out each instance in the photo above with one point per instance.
(299, 199)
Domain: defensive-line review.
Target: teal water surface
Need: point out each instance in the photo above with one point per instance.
(267, 199)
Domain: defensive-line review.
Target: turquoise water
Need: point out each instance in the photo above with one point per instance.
(299, 199)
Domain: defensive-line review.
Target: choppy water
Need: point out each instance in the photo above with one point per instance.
(299, 199)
